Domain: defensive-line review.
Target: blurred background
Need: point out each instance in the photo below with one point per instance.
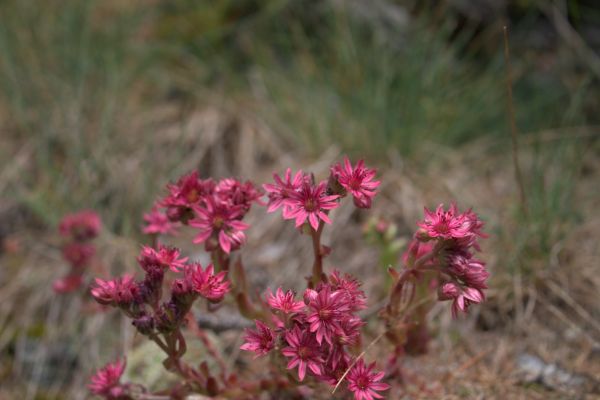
(104, 102)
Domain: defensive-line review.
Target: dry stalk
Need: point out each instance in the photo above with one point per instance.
(513, 126)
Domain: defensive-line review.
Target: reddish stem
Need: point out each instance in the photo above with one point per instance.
(220, 260)
(429, 256)
(210, 348)
(317, 271)
(419, 264)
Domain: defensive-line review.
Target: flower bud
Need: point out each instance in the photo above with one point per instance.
(362, 202)
(167, 318)
(310, 295)
(78, 254)
(422, 235)
(448, 291)
(175, 213)
(144, 324)
(334, 187)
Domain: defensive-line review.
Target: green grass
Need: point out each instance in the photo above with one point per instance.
(64, 78)
(327, 76)
(551, 178)
(71, 80)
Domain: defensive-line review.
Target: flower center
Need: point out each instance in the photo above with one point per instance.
(325, 314)
(192, 196)
(363, 382)
(310, 205)
(354, 183)
(218, 221)
(304, 352)
(443, 226)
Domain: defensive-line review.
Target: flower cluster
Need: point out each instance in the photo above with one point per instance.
(215, 209)
(365, 383)
(316, 335)
(358, 181)
(142, 300)
(301, 198)
(306, 201)
(78, 229)
(463, 277)
(106, 382)
(80, 226)
(157, 223)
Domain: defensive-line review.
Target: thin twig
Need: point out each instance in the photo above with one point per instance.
(560, 315)
(513, 125)
(361, 355)
(583, 313)
(468, 364)
(572, 37)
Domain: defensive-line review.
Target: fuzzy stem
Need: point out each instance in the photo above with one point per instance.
(429, 256)
(211, 349)
(220, 260)
(317, 271)
(175, 348)
(159, 342)
(396, 292)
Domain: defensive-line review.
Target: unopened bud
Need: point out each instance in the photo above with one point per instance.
(448, 291)
(144, 324)
(422, 235)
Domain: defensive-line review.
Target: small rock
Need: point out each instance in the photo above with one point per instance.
(532, 369)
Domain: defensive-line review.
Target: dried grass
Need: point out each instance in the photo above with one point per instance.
(50, 344)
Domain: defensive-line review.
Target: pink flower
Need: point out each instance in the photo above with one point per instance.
(310, 202)
(351, 287)
(464, 228)
(165, 257)
(158, 223)
(310, 295)
(328, 309)
(78, 254)
(358, 181)
(183, 195)
(475, 227)
(183, 288)
(304, 351)
(448, 291)
(207, 284)
(221, 220)
(364, 383)
(237, 193)
(83, 225)
(67, 284)
(445, 224)
(349, 333)
(467, 297)
(336, 365)
(462, 297)
(261, 341)
(283, 189)
(469, 270)
(475, 224)
(117, 292)
(285, 302)
(106, 381)
(337, 359)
